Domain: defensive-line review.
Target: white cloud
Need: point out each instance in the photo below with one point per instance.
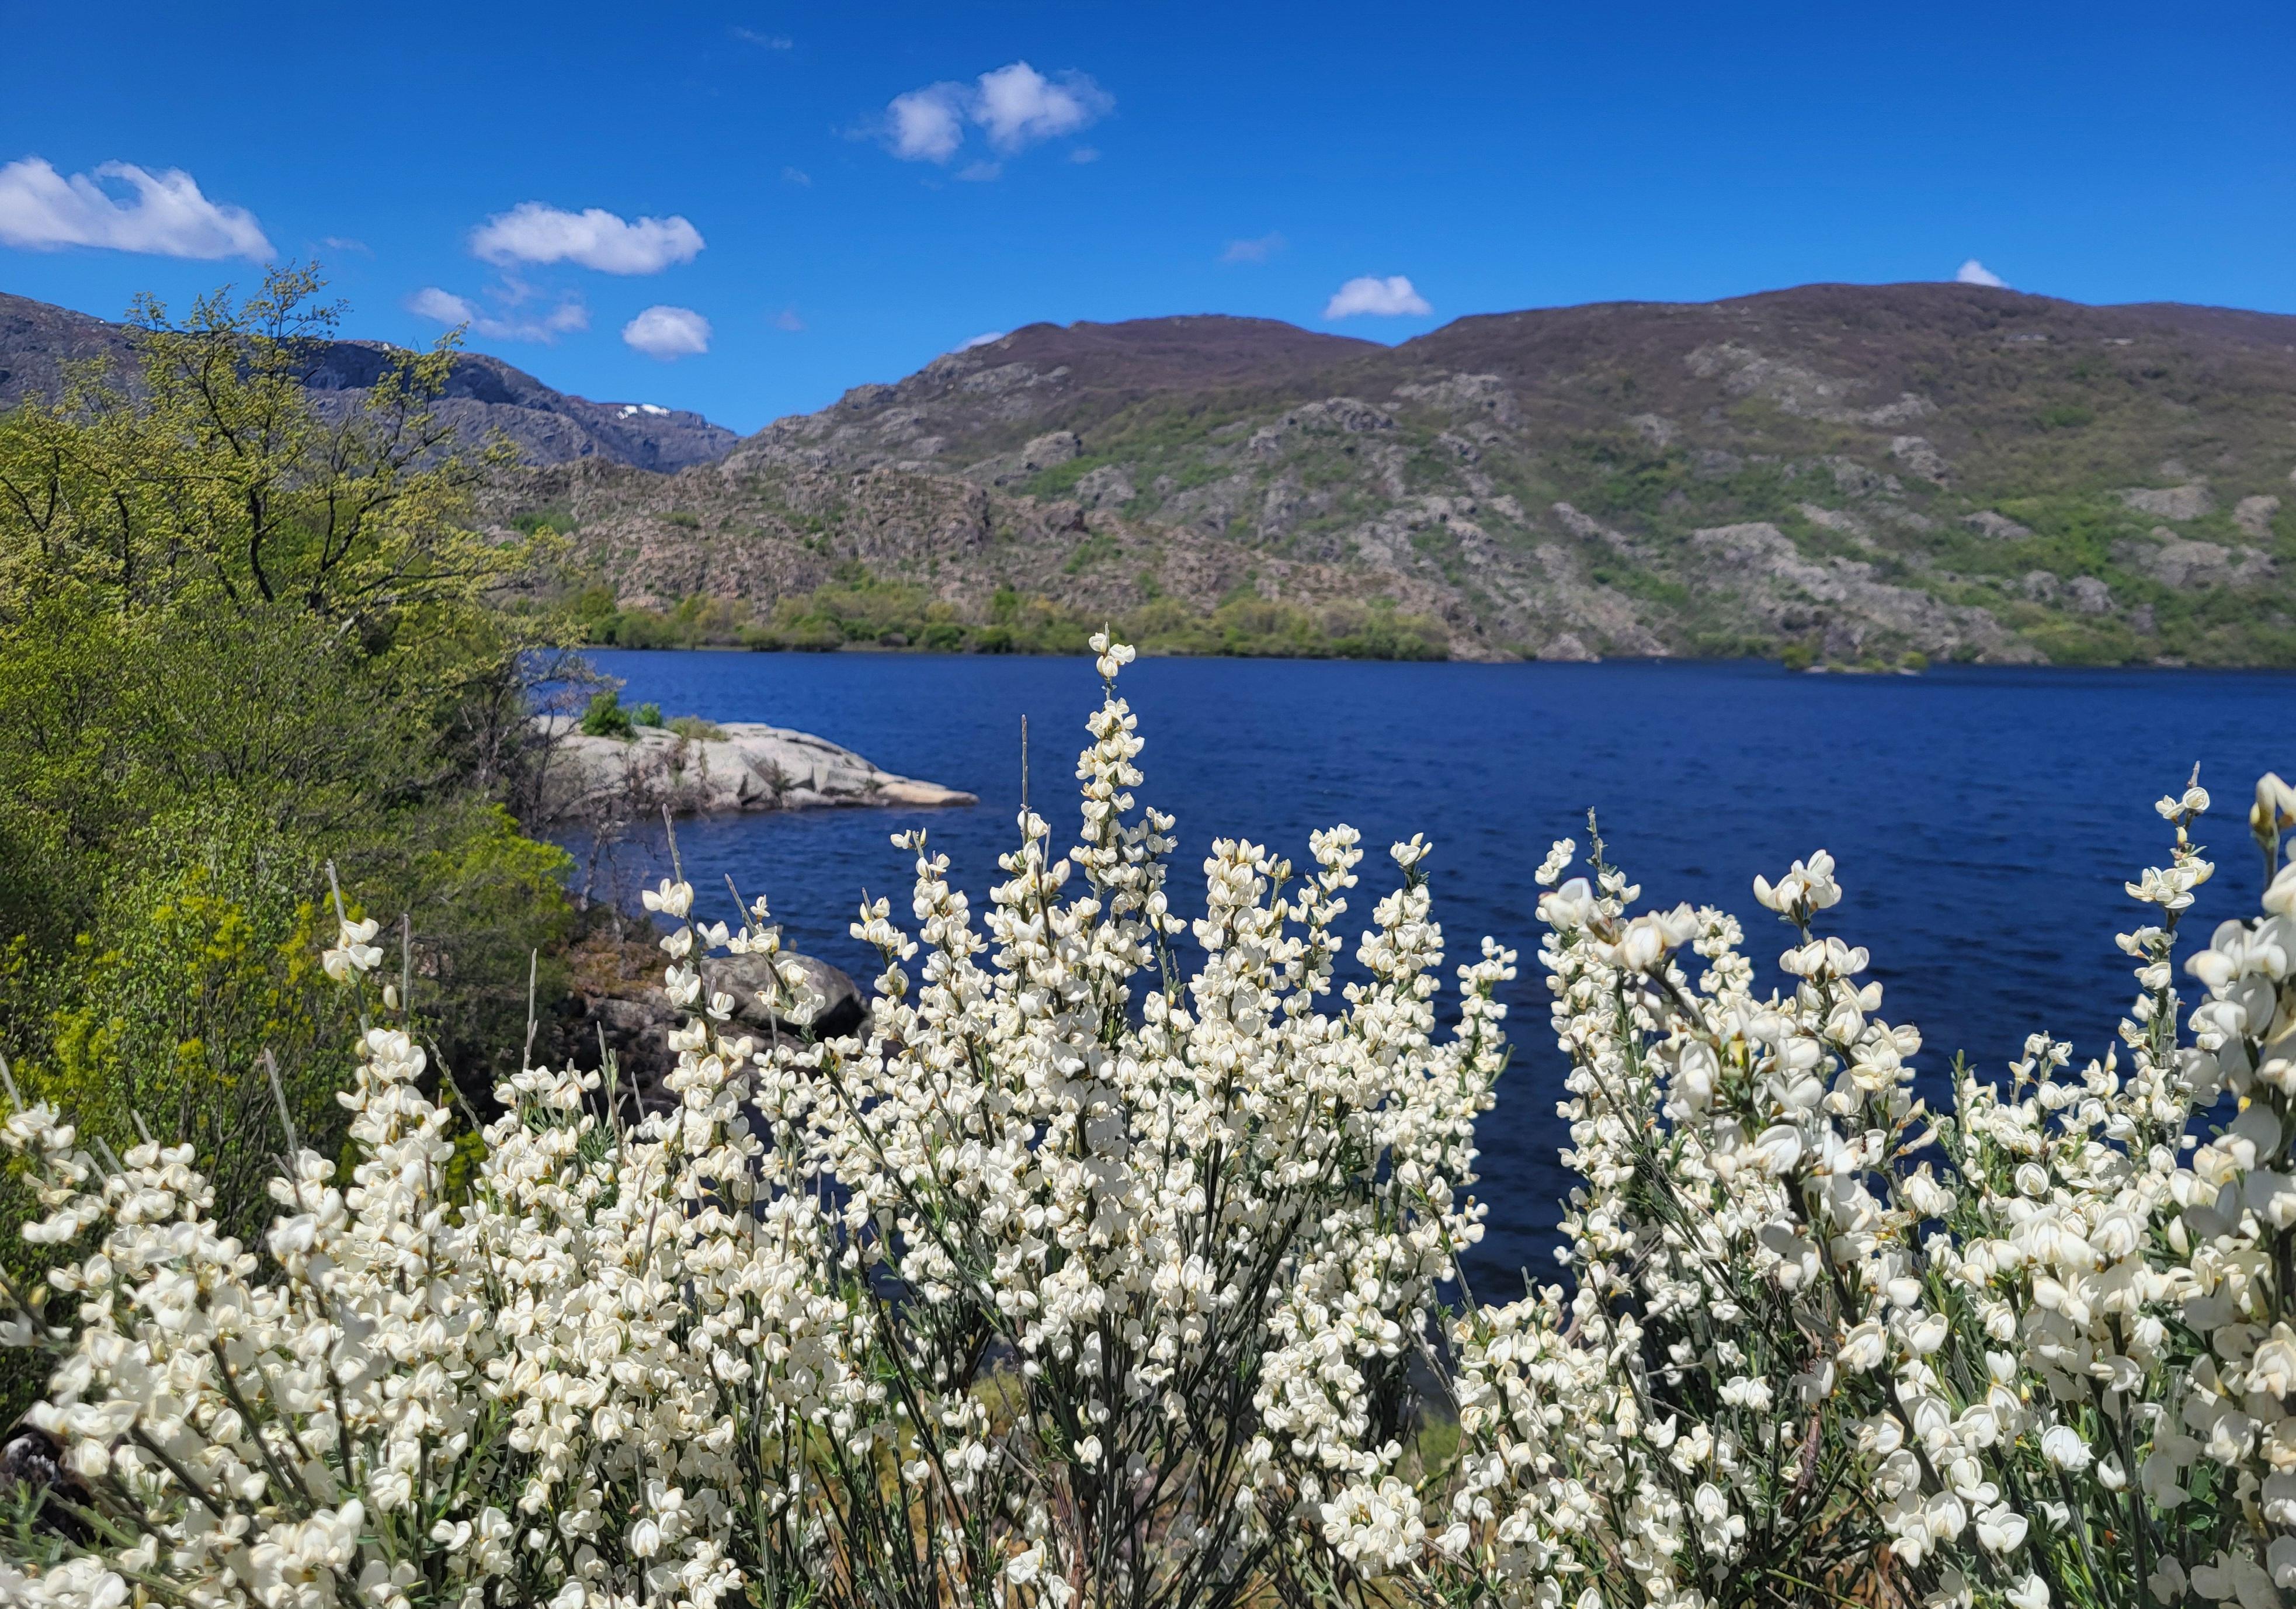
(1975, 272)
(927, 125)
(595, 238)
(1018, 105)
(980, 172)
(1085, 154)
(667, 333)
(343, 242)
(788, 319)
(445, 308)
(42, 211)
(796, 176)
(1257, 250)
(1388, 297)
(750, 35)
(1014, 105)
(978, 341)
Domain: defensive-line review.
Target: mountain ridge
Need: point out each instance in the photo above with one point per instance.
(1854, 473)
(483, 395)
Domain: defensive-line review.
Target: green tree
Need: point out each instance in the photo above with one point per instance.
(249, 631)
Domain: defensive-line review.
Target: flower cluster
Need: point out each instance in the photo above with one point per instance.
(1822, 1341)
(1064, 1280)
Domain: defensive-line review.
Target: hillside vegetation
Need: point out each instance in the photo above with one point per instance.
(1852, 474)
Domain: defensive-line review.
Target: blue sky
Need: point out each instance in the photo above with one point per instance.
(1151, 159)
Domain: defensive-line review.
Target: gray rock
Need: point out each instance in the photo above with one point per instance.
(2001, 528)
(2040, 586)
(1485, 394)
(1459, 447)
(1789, 594)
(2188, 502)
(1852, 479)
(2089, 596)
(1035, 455)
(752, 766)
(1107, 486)
(1567, 647)
(1920, 458)
(2173, 561)
(633, 1017)
(837, 1003)
(1349, 415)
(1588, 529)
(2253, 515)
(1837, 520)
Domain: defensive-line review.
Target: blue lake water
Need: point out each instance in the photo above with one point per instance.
(1984, 820)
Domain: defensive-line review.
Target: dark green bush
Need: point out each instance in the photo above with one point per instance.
(605, 717)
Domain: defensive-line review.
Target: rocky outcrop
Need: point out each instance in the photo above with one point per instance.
(2174, 561)
(1842, 600)
(2254, 516)
(744, 766)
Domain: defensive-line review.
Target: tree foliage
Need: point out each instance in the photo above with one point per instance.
(249, 633)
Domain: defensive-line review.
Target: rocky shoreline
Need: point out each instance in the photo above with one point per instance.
(737, 766)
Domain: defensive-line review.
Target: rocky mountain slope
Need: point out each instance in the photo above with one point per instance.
(484, 395)
(1856, 473)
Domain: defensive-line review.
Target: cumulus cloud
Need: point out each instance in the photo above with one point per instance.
(1389, 298)
(750, 35)
(796, 176)
(978, 341)
(667, 333)
(594, 238)
(1019, 106)
(1253, 250)
(445, 308)
(163, 215)
(1013, 106)
(1975, 272)
(927, 125)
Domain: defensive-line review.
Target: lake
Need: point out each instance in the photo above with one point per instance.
(1984, 819)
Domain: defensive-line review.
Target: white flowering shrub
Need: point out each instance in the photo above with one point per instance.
(1065, 1281)
(1823, 1343)
(1060, 1281)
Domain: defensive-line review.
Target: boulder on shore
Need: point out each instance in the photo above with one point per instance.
(740, 766)
(617, 989)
